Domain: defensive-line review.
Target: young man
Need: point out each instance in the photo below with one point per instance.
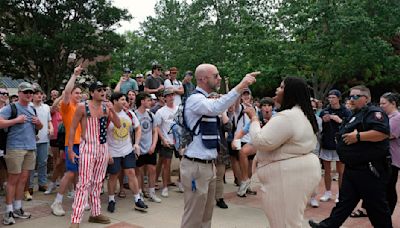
(71, 98)
(164, 120)
(122, 152)
(148, 143)
(93, 116)
(20, 157)
(188, 86)
(154, 83)
(175, 85)
(42, 142)
(126, 83)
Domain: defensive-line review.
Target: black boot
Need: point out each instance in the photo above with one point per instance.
(221, 204)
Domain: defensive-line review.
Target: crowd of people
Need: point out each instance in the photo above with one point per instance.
(123, 135)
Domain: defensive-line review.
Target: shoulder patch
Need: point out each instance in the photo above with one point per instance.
(378, 116)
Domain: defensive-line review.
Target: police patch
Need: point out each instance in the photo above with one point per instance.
(378, 116)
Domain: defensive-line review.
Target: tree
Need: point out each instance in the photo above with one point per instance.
(38, 36)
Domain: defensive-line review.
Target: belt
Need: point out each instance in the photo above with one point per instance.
(200, 160)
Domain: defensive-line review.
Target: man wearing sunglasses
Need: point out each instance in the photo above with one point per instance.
(20, 157)
(363, 146)
(3, 97)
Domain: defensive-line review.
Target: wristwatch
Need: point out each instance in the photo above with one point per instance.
(358, 136)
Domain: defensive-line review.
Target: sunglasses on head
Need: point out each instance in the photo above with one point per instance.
(27, 92)
(356, 97)
(4, 93)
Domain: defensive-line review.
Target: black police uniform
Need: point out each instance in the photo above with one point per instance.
(366, 170)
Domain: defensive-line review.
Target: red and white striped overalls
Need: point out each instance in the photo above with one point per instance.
(93, 161)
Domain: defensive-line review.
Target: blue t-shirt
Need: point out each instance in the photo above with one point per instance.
(20, 136)
(130, 84)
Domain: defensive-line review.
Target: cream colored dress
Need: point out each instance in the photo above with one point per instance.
(287, 168)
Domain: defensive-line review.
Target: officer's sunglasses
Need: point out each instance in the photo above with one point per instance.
(356, 97)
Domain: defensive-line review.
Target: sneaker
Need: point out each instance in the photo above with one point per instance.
(87, 207)
(326, 197)
(251, 192)
(140, 205)
(314, 202)
(221, 204)
(99, 219)
(27, 196)
(21, 214)
(71, 194)
(155, 199)
(337, 198)
(180, 187)
(57, 209)
(50, 188)
(8, 218)
(164, 193)
(111, 206)
(42, 188)
(243, 188)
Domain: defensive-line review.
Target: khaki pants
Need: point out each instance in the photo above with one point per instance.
(286, 188)
(220, 182)
(199, 203)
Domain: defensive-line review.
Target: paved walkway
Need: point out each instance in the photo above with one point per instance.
(242, 212)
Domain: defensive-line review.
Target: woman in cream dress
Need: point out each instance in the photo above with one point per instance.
(286, 166)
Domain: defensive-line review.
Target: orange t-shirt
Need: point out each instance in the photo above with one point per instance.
(67, 112)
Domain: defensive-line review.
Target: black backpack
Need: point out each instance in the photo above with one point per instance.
(4, 131)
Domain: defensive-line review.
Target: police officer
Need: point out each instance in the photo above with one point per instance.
(363, 146)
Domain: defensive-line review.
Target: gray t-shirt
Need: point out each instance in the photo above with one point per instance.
(147, 123)
(153, 82)
(130, 84)
(20, 136)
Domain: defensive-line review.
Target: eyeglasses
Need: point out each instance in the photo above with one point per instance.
(356, 97)
(4, 93)
(101, 89)
(27, 92)
(216, 75)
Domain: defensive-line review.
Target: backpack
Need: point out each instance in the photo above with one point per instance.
(181, 132)
(4, 131)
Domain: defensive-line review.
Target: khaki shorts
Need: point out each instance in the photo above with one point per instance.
(18, 160)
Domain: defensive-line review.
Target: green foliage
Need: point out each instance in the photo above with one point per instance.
(39, 35)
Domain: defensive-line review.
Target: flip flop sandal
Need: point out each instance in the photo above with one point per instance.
(358, 214)
(122, 194)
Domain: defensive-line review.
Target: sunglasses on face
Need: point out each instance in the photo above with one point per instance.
(4, 93)
(356, 97)
(27, 92)
(101, 89)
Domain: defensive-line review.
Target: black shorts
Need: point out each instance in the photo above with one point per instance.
(234, 153)
(167, 152)
(146, 159)
(127, 162)
(54, 143)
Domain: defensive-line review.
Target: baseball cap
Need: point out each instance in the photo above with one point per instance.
(156, 66)
(139, 75)
(96, 85)
(246, 90)
(335, 92)
(127, 70)
(168, 91)
(153, 96)
(25, 86)
(189, 73)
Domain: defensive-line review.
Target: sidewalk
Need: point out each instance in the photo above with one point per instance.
(242, 212)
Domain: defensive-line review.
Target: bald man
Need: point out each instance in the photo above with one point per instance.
(198, 165)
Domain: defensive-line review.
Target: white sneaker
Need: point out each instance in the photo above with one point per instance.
(164, 193)
(57, 209)
(337, 198)
(50, 188)
(180, 187)
(326, 197)
(243, 188)
(71, 194)
(154, 198)
(8, 218)
(314, 202)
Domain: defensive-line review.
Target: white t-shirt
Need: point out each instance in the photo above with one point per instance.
(119, 139)
(176, 85)
(164, 119)
(43, 113)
